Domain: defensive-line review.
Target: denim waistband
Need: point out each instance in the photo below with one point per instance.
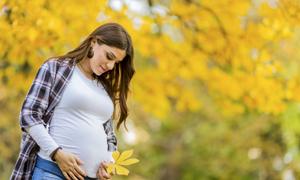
(53, 168)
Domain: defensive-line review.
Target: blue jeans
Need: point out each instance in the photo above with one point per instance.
(40, 174)
(48, 170)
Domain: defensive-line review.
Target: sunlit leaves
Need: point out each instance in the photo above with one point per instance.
(120, 160)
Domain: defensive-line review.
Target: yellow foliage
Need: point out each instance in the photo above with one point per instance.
(226, 49)
(121, 159)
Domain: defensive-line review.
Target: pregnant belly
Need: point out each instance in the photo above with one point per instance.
(88, 143)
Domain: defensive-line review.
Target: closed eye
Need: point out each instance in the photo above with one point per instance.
(108, 57)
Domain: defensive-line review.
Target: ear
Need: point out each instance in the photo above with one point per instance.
(93, 41)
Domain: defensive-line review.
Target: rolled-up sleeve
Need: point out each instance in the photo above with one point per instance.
(36, 100)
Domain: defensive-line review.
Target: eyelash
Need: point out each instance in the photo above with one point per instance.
(107, 56)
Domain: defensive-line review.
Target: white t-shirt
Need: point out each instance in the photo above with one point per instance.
(77, 123)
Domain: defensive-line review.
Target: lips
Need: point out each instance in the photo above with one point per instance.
(102, 68)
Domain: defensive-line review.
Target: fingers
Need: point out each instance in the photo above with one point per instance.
(66, 175)
(102, 174)
(70, 166)
(79, 176)
(75, 172)
(79, 170)
(102, 171)
(79, 161)
(72, 175)
(103, 177)
(104, 164)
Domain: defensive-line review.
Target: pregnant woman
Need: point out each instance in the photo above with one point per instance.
(67, 116)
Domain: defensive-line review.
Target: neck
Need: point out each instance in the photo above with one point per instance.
(85, 67)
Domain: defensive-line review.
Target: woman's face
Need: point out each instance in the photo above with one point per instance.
(105, 57)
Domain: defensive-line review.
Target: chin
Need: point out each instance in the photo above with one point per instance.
(98, 73)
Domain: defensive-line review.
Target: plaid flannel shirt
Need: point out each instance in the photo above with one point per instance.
(38, 107)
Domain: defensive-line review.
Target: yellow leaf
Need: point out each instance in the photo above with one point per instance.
(121, 159)
(111, 169)
(129, 161)
(125, 155)
(121, 170)
(116, 155)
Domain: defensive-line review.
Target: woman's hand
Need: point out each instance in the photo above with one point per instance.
(102, 172)
(69, 165)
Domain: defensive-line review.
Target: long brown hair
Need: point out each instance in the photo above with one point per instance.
(116, 81)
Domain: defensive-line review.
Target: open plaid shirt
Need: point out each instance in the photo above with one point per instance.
(38, 106)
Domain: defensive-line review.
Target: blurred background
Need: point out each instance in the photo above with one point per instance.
(217, 88)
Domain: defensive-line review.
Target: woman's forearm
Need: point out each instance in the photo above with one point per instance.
(42, 138)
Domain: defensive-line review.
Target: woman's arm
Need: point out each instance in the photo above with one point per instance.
(36, 101)
(42, 138)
